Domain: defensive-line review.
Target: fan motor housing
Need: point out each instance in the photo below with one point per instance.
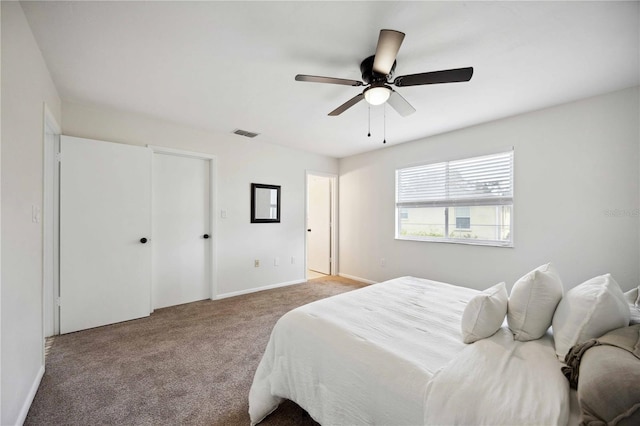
(369, 76)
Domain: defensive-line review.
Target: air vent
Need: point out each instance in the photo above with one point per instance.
(245, 133)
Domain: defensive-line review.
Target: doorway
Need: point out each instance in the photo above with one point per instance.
(202, 165)
(320, 231)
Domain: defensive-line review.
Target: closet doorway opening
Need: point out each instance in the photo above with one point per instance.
(320, 225)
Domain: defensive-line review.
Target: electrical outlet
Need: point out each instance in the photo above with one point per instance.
(223, 214)
(256, 263)
(276, 261)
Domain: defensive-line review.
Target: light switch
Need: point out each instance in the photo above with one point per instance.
(223, 214)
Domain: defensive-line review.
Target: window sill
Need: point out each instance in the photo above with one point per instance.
(505, 244)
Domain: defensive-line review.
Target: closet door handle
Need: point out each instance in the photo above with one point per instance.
(143, 240)
(205, 236)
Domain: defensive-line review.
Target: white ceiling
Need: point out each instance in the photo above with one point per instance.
(226, 65)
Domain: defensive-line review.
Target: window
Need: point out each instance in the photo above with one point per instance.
(463, 217)
(462, 201)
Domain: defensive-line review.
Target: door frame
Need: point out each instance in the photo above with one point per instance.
(50, 218)
(333, 220)
(213, 217)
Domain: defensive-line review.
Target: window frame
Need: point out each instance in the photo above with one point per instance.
(451, 204)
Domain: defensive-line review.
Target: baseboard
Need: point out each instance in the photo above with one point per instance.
(22, 416)
(254, 290)
(353, 277)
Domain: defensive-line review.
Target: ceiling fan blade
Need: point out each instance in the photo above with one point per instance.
(400, 104)
(435, 77)
(330, 80)
(345, 106)
(389, 43)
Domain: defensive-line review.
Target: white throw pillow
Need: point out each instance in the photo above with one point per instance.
(533, 301)
(633, 299)
(484, 313)
(632, 296)
(634, 317)
(588, 311)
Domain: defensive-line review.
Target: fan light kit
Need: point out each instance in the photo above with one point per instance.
(377, 95)
(377, 73)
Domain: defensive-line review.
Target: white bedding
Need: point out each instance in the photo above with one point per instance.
(520, 383)
(369, 356)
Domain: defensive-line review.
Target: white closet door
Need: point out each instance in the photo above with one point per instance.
(181, 252)
(105, 211)
(319, 224)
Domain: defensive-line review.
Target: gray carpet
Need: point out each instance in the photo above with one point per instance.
(187, 364)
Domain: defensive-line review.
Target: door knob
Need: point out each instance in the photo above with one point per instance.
(143, 240)
(205, 236)
(308, 230)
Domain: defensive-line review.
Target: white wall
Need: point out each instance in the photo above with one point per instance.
(572, 163)
(241, 161)
(0, 220)
(26, 84)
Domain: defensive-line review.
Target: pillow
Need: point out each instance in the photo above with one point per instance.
(588, 311)
(633, 299)
(532, 302)
(484, 313)
(608, 390)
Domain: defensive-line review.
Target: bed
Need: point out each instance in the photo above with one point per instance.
(392, 354)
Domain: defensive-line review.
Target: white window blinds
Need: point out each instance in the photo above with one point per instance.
(478, 181)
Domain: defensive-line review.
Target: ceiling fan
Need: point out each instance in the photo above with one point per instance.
(377, 73)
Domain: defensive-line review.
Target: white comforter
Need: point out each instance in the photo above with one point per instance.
(499, 381)
(369, 357)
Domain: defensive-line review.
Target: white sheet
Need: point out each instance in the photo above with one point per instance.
(367, 356)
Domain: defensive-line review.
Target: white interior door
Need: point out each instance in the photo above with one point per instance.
(181, 218)
(105, 211)
(319, 224)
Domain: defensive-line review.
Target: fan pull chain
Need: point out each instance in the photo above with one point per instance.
(369, 132)
(384, 109)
